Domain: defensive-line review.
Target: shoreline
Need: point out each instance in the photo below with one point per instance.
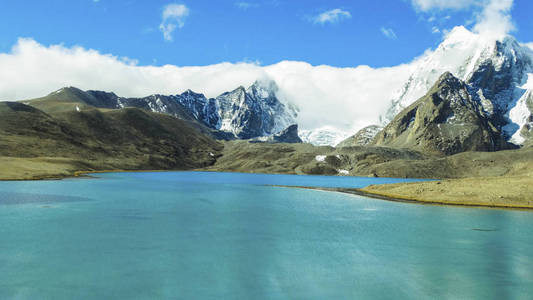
(85, 174)
(393, 198)
(350, 191)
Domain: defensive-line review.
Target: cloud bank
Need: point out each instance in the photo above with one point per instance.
(346, 98)
(173, 17)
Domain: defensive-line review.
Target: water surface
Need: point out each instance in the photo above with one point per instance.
(194, 235)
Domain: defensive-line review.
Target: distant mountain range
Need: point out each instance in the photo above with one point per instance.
(239, 114)
(468, 94)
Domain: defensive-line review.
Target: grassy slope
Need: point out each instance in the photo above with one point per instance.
(503, 179)
(241, 156)
(95, 139)
(16, 168)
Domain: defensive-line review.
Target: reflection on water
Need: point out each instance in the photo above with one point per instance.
(210, 235)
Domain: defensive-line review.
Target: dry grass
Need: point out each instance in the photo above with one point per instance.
(16, 168)
(500, 191)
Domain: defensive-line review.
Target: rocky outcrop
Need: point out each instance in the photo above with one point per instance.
(289, 135)
(445, 121)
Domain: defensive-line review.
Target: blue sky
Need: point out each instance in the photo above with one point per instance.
(376, 33)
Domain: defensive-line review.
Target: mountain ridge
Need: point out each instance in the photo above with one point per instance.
(241, 113)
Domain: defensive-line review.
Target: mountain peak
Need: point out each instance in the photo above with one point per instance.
(447, 78)
(263, 88)
(190, 92)
(459, 33)
(67, 89)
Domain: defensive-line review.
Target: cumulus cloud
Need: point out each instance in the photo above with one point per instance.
(331, 16)
(389, 33)
(492, 18)
(495, 19)
(173, 17)
(529, 45)
(344, 98)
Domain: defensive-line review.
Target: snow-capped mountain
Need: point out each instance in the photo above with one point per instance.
(499, 74)
(246, 113)
(243, 113)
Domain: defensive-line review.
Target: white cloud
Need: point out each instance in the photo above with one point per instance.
(245, 5)
(529, 45)
(389, 33)
(344, 98)
(331, 16)
(173, 17)
(492, 18)
(435, 29)
(495, 20)
(426, 5)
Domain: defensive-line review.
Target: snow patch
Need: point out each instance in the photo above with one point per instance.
(324, 136)
(225, 125)
(344, 172)
(320, 158)
(518, 116)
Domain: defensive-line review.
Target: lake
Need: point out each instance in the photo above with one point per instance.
(196, 235)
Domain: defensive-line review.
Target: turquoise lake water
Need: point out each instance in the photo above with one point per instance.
(194, 235)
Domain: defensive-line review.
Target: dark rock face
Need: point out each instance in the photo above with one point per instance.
(289, 135)
(445, 121)
(494, 82)
(203, 109)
